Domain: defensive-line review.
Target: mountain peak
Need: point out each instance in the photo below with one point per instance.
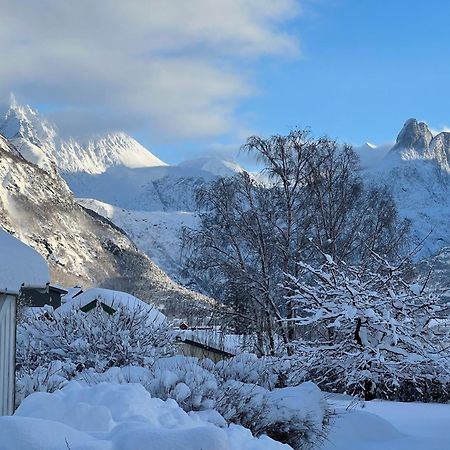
(414, 136)
(38, 141)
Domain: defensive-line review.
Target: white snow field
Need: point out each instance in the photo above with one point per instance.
(109, 416)
(383, 425)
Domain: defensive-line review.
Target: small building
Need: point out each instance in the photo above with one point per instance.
(109, 301)
(205, 342)
(189, 347)
(36, 297)
(20, 267)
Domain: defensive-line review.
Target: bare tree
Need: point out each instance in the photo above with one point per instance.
(254, 230)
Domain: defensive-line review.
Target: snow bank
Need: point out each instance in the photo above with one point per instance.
(387, 425)
(20, 265)
(111, 416)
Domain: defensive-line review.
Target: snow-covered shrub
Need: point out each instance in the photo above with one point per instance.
(48, 378)
(369, 332)
(192, 383)
(295, 415)
(188, 381)
(81, 340)
(267, 371)
(297, 419)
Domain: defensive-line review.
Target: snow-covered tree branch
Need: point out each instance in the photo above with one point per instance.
(369, 332)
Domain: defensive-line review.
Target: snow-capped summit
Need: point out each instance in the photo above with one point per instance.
(38, 141)
(31, 134)
(371, 155)
(369, 145)
(98, 154)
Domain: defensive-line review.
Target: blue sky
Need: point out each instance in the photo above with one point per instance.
(195, 77)
(366, 67)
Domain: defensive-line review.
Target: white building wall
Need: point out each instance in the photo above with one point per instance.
(7, 353)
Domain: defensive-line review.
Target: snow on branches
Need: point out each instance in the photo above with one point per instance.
(369, 332)
(54, 346)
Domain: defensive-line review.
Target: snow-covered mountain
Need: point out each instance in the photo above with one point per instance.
(80, 246)
(137, 191)
(151, 200)
(165, 188)
(417, 171)
(38, 141)
(156, 233)
(370, 154)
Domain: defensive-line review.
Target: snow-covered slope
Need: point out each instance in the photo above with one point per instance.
(156, 233)
(81, 247)
(216, 166)
(38, 141)
(168, 188)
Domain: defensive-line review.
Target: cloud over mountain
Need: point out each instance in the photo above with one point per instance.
(177, 68)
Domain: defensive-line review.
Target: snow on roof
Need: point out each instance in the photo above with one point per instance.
(20, 265)
(113, 299)
(216, 339)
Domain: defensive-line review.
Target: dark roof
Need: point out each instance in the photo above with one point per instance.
(57, 289)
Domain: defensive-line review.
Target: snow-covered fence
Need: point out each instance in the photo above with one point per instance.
(7, 352)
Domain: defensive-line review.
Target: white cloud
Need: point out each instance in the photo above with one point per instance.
(435, 131)
(176, 67)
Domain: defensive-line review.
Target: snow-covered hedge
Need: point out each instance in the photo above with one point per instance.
(192, 383)
(267, 371)
(54, 346)
(295, 416)
(127, 347)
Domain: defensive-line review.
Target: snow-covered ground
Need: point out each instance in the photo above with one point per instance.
(110, 416)
(386, 425)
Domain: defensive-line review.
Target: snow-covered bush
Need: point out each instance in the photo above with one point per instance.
(294, 418)
(48, 378)
(368, 332)
(267, 371)
(79, 340)
(295, 415)
(192, 383)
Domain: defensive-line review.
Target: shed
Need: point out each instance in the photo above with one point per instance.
(109, 301)
(20, 266)
(36, 297)
(206, 342)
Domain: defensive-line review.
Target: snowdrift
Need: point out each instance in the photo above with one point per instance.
(111, 416)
